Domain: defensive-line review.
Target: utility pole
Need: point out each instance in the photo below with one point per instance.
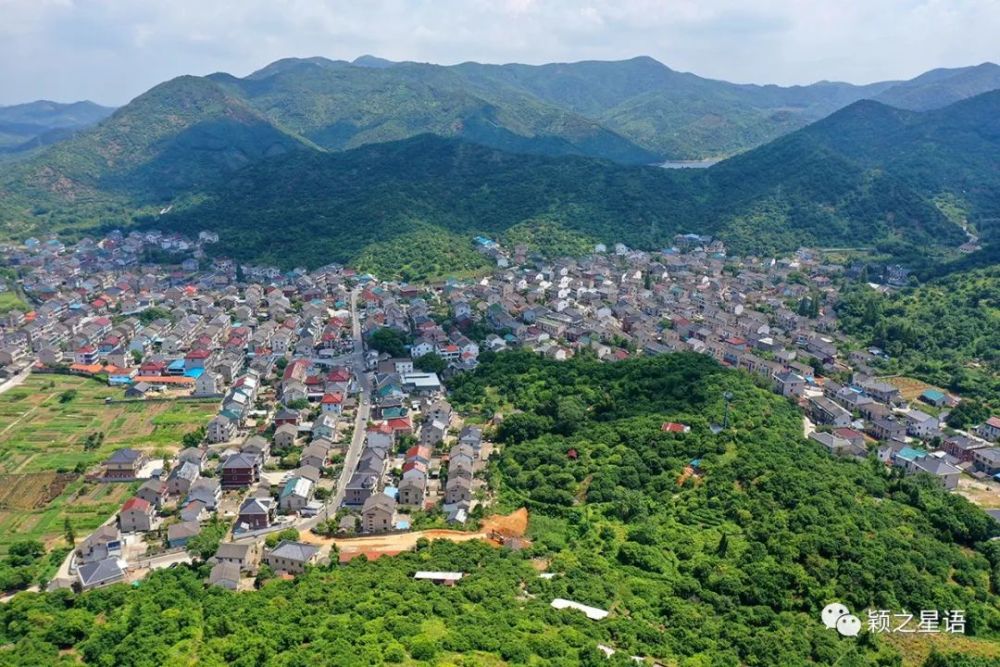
(728, 396)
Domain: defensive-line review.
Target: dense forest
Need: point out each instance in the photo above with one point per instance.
(946, 332)
(725, 563)
(195, 154)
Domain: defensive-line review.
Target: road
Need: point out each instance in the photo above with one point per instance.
(353, 453)
(14, 381)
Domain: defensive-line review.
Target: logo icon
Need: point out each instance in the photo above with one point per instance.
(837, 615)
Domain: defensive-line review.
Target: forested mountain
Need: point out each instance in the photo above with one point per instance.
(26, 126)
(941, 87)
(236, 156)
(728, 566)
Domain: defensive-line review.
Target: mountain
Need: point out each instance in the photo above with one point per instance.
(180, 135)
(297, 164)
(952, 150)
(941, 87)
(340, 105)
(26, 126)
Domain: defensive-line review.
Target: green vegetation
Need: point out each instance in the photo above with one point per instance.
(727, 565)
(26, 564)
(867, 175)
(10, 301)
(48, 443)
(946, 332)
(390, 341)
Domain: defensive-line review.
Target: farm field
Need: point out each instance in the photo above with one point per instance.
(44, 424)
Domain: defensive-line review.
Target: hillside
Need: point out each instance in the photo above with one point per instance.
(180, 135)
(941, 87)
(26, 126)
(730, 567)
(310, 208)
(866, 174)
(339, 105)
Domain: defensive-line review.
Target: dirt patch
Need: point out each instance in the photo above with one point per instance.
(985, 493)
(496, 530)
(514, 524)
(28, 491)
(911, 388)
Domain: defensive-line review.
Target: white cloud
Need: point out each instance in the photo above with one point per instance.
(111, 50)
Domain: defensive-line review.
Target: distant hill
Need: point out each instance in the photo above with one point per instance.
(941, 87)
(180, 135)
(333, 160)
(26, 126)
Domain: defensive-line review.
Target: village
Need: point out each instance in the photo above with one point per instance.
(327, 432)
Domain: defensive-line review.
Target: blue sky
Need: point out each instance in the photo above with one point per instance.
(112, 50)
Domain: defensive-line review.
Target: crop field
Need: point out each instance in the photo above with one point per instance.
(44, 429)
(44, 424)
(911, 388)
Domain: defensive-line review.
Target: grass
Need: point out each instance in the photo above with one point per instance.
(41, 436)
(915, 648)
(10, 301)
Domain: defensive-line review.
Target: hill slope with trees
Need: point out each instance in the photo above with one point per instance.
(730, 566)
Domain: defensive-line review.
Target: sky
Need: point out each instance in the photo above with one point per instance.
(109, 51)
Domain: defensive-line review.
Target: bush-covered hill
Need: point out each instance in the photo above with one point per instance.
(731, 567)
(946, 332)
(865, 175)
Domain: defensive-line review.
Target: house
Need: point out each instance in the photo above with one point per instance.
(225, 575)
(101, 573)
(987, 460)
(790, 384)
(377, 513)
(921, 425)
(284, 436)
(240, 470)
(287, 416)
(136, 515)
(193, 510)
(207, 384)
(432, 432)
(836, 445)
(315, 454)
(360, 488)
(138, 391)
(124, 465)
(962, 447)
(990, 429)
(295, 495)
(472, 436)
(220, 429)
(881, 391)
(824, 411)
(945, 473)
(887, 428)
(194, 455)
(256, 446)
(412, 490)
(856, 438)
(934, 397)
(256, 513)
(332, 402)
(178, 534)
(458, 490)
(205, 490)
(153, 491)
(105, 542)
(291, 557)
(182, 477)
(245, 555)
(325, 426)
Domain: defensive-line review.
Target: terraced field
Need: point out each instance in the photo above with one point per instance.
(44, 426)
